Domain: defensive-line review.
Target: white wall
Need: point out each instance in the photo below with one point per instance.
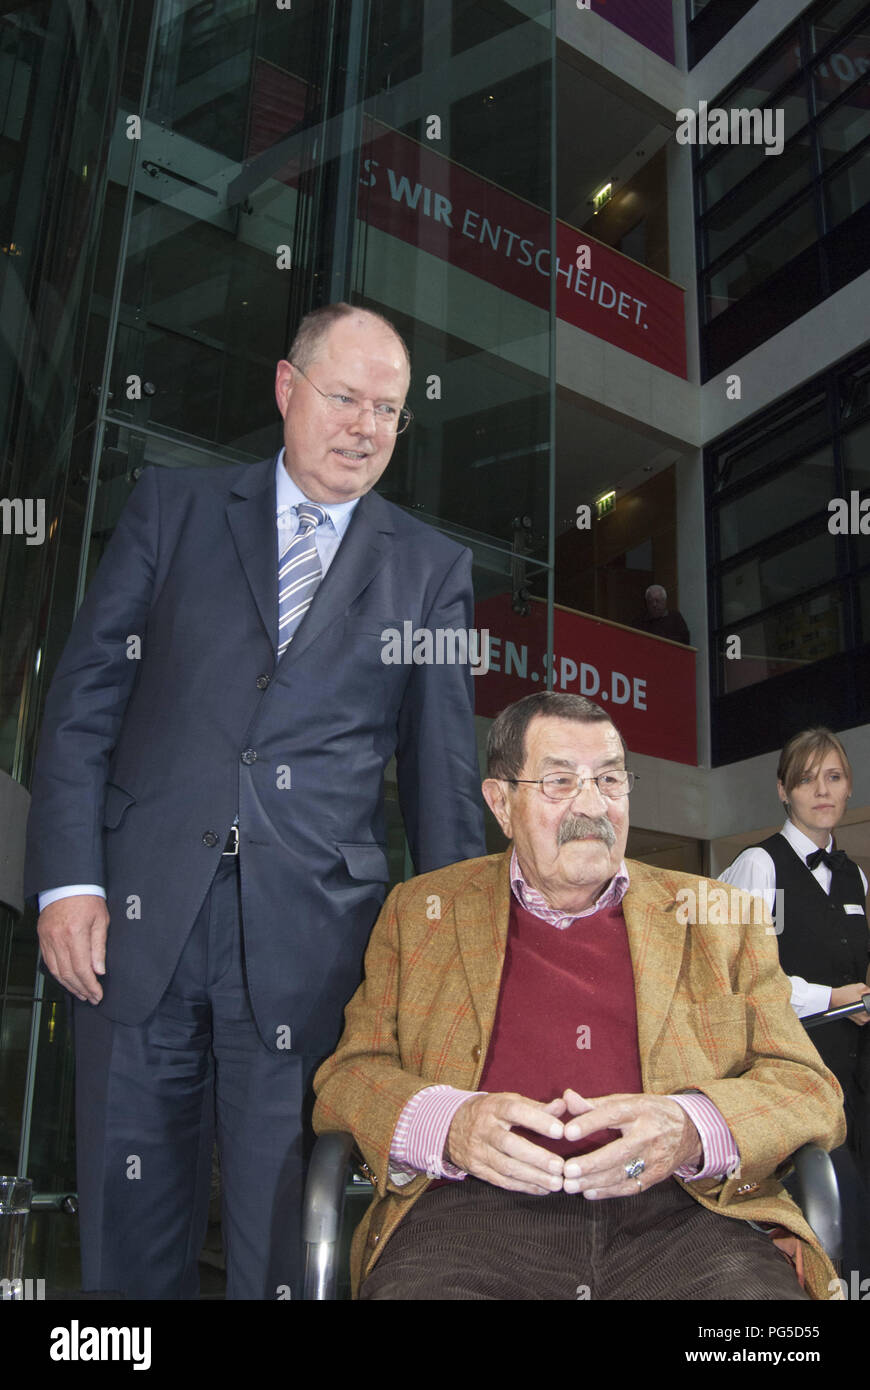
(737, 805)
(814, 342)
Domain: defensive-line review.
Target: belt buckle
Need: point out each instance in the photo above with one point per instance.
(234, 837)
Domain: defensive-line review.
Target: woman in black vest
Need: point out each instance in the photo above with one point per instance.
(823, 936)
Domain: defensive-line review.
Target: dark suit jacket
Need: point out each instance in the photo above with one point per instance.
(145, 760)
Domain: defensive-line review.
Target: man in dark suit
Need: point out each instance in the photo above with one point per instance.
(207, 831)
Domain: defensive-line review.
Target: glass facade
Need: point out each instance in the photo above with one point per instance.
(708, 21)
(779, 232)
(789, 580)
(181, 182)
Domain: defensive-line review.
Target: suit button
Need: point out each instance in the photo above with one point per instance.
(262, 682)
(210, 839)
(475, 1053)
(249, 756)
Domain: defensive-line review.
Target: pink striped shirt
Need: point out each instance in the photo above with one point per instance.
(420, 1136)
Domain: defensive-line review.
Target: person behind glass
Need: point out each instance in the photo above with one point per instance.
(662, 621)
(823, 936)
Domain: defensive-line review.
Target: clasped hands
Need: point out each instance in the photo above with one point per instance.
(482, 1142)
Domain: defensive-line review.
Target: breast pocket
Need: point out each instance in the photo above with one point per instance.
(373, 639)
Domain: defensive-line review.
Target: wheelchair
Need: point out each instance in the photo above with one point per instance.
(812, 1184)
(331, 1181)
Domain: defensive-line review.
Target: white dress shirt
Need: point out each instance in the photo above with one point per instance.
(754, 870)
(327, 538)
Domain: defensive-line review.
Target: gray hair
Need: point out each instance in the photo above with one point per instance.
(506, 745)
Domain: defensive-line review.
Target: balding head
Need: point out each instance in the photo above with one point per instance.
(315, 328)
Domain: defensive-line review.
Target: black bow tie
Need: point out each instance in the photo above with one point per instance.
(835, 860)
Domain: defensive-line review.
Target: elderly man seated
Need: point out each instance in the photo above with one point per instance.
(563, 1088)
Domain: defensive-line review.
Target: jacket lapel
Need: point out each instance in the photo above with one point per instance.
(657, 941)
(481, 927)
(363, 550)
(251, 515)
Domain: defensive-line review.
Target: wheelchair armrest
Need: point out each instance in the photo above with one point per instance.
(325, 1188)
(818, 1196)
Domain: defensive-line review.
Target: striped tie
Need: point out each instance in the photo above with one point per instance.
(299, 574)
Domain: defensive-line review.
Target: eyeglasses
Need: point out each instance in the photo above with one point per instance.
(389, 419)
(563, 786)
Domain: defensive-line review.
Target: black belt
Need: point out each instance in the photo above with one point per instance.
(232, 844)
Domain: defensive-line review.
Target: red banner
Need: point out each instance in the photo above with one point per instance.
(415, 194)
(648, 683)
(278, 106)
(651, 23)
(412, 192)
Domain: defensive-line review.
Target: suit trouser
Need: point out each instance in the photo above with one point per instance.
(151, 1099)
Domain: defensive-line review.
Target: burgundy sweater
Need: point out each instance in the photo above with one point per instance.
(566, 1016)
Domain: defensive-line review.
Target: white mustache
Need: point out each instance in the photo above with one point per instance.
(582, 827)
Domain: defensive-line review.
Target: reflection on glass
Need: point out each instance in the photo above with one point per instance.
(769, 579)
(758, 89)
(774, 184)
(792, 428)
(723, 171)
(845, 127)
(473, 23)
(740, 186)
(202, 74)
(834, 17)
(772, 250)
(806, 488)
(841, 72)
(498, 132)
(856, 454)
(848, 190)
(864, 592)
(395, 44)
(805, 632)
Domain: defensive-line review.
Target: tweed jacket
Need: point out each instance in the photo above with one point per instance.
(713, 1015)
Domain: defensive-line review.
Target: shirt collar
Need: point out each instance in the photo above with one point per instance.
(801, 843)
(534, 902)
(289, 495)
